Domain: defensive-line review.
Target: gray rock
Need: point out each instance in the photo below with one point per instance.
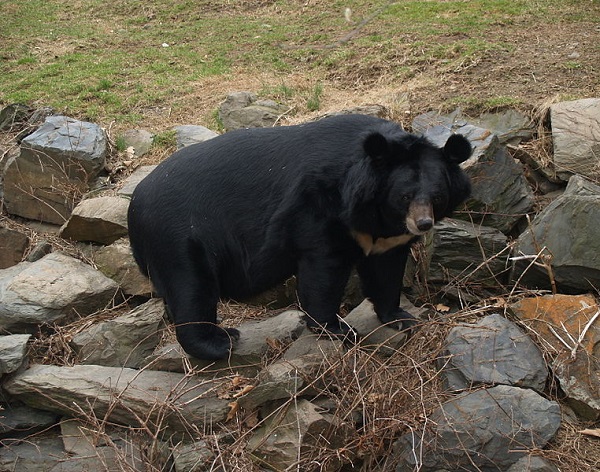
(56, 165)
(125, 396)
(253, 345)
(314, 345)
(100, 220)
(54, 289)
(465, 252)
(124, 341)
(576, 138)
(135, 178)
(532, 464)
(101, 451)
(116, 262)
(19, 421)
(492, 351)
(510, 126)
(297, 431)
(487, 430)
(284, 379)
(14, 114)
(378, 111)
(501, 195)
(193, 457)
(12, 246)
(42, 248)
(13, 352)
(37, 454)
(192, 134)
(139, 140)
(564, 228)
(244, 110)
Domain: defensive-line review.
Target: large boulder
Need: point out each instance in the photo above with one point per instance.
(298, 431)
(56, 165)
(492, 351)
(54, 289)
(576, 138)
(488, 429)
(255, 342)
(562, 245)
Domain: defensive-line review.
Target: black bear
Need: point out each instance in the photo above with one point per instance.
(235, 215)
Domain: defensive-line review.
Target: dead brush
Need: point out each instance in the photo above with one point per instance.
(377, 397)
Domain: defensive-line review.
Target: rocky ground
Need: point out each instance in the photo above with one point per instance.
(92, 379)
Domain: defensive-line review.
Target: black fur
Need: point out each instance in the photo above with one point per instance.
(237, 214)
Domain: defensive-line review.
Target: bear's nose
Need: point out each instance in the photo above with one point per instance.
(424, 224)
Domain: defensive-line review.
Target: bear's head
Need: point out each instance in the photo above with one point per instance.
(403, 183)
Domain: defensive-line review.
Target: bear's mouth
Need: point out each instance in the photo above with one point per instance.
(420, 218)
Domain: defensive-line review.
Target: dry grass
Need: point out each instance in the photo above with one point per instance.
(380, 397)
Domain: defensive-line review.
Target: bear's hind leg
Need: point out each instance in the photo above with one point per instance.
(194, 314)
(191, 294)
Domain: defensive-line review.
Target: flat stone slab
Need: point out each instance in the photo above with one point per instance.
(100, 220)
(125, 396)
(124, 341)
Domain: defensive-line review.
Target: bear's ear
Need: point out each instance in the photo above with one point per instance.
(458, 149)
(376, 146)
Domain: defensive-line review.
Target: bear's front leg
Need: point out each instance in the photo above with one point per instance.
(381, 279)
(322, 279)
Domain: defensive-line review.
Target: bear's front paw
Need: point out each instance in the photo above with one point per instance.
(400, 319)
(338, 330)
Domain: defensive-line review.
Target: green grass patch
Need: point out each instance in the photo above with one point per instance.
(108, 60)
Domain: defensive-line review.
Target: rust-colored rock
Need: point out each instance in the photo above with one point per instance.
(569, 327)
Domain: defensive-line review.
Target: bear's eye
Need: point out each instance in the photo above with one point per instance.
(436, 200)
(406, 198)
